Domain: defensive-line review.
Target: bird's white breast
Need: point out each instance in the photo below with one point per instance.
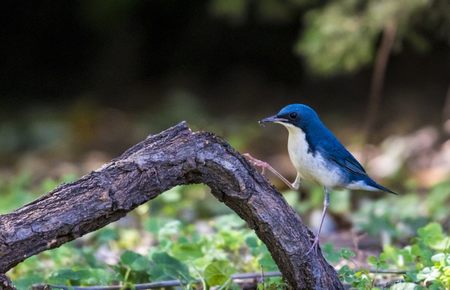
(308, 165)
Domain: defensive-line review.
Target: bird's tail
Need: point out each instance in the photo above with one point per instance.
(372, 183)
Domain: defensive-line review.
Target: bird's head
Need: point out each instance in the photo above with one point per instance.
(297, 115)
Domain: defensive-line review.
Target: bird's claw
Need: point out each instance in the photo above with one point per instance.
(264, 165)
(256, 162)
(314, 247)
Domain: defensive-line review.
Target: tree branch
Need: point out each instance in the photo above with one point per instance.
(174, 157)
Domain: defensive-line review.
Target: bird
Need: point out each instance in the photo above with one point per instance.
(318, 156)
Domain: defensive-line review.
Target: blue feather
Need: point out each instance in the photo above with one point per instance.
(322, 141)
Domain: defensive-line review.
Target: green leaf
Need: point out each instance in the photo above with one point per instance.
(259, 250)
(154, 224)
(252, 242)
(378, 263)
(98, 277)
(340, 202)
(346, 253)
(107, 234)
(346, 274)
(229, 222)
(267, 262)
(163, 227)
(438, 258)
(218, 272)
(185, 251)
(232, 239)
(28, 281)
(437, 285)
(89, 276)
(431, 235)
(428, 274)
(423, 254)
(134, 261)
(411, 276)
(166, 267)
(372, 260)
(64, 276)
(330, 253)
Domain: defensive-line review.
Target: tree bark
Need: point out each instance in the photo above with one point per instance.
(173, 157)
(5, 283)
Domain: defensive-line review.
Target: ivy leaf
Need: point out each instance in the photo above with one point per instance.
(107, 234)
(185, 251)
(346, 274)
(438, 258)
(267, 262)
(229, 222)
(432, 236)
(428, 274)
(28, 281)
(166, 267)
(378, 263)
(162, 227)
(330, 253)
(154, 224)
(134, 261)
(346, 253)
(64, 276)
(97, 276)
(411, 276)
(218, 272)
(251, 242)
(436, 285)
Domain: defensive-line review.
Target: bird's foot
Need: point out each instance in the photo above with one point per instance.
(264, 165)
(257, 163)
(314, 247)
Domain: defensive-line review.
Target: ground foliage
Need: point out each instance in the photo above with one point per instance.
(178, 237)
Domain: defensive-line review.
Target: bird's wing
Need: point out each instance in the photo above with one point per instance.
(336, 152)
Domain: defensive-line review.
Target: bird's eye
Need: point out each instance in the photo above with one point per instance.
(293, 116)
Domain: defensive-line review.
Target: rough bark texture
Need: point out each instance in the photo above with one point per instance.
(174, 157)
(5, 283)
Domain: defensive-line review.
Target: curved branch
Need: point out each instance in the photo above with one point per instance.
(174, 157)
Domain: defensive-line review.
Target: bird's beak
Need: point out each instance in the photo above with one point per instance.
(272, 119)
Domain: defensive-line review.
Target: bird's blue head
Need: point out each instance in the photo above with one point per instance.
(297, 115)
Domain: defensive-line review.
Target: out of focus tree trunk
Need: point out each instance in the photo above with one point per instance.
(378, 78)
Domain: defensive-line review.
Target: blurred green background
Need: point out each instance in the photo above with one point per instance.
(81, 81)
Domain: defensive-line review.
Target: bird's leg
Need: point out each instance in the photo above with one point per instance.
(296, 183)
(326, 203)
(264, 165)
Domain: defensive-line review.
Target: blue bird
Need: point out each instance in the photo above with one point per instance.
(317, 155)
